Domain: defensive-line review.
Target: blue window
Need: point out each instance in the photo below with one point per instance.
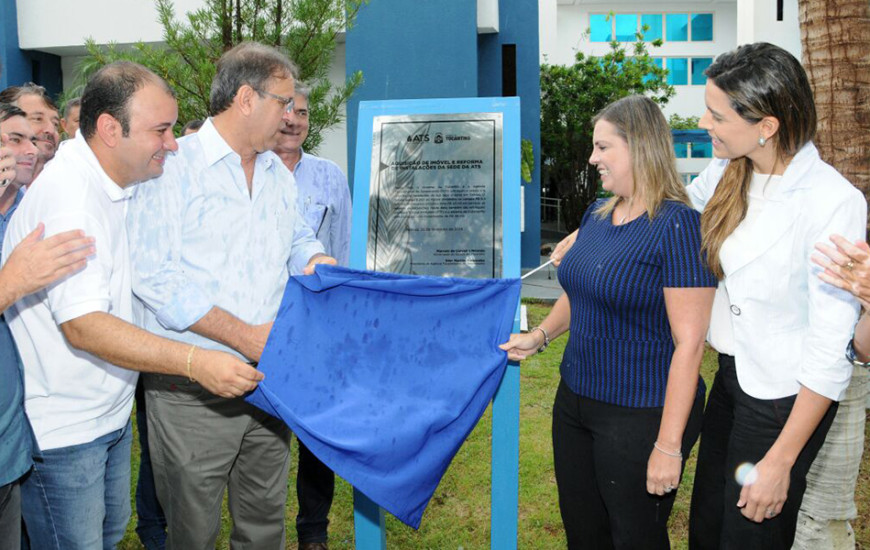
(678, 71)
(702, 150)
(654, 22)
(699, 64)
(677, 26)
(600, 28)
(702, 26)
(650, 76)
(681, 150)
(626, 27)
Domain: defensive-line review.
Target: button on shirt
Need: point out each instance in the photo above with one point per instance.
(324, 200)
(15, 438)
(762, 189)
(72, 397)
(201, 240)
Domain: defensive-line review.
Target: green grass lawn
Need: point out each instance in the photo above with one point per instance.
(458, 515)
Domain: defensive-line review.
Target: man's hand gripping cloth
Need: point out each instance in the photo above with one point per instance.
(383, 376)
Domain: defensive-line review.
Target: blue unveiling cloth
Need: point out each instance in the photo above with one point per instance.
(383, 376)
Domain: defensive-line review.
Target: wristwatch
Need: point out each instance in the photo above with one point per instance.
(850, 355)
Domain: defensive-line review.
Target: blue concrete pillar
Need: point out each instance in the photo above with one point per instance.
(518, 26)
(18, 66)
(411, 50)
(14, 65)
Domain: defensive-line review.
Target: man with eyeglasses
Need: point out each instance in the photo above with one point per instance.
(42, 114)
(324, 201)
(214, 241)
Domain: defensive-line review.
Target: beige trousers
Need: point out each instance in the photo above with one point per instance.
(200, 446)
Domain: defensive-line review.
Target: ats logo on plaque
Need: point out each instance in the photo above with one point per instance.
(439, 138)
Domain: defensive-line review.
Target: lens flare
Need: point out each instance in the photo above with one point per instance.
(746, 474)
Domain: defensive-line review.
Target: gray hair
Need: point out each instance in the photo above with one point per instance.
(303, 89)
(70, 105)
(248, 63)
(13, 93)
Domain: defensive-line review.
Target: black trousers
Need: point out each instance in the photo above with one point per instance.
(601, 453)
(315, 488)
(739, 430)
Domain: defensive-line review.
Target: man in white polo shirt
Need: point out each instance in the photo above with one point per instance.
(77, 342)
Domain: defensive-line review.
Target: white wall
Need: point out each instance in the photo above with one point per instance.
(547, 18)
(61, 26)
(567, 26)
(572, 21)
(564, 22)
(758, 23)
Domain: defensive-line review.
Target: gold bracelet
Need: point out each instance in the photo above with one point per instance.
(189, 361)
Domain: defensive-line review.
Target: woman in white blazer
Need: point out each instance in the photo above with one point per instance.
(779, 330)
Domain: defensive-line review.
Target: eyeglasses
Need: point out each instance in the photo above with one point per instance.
(286, 101)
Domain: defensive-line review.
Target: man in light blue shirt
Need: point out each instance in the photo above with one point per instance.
(213, 241)
(324, 197)
(324, 200)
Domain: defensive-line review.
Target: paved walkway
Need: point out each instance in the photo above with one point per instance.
(542, 285)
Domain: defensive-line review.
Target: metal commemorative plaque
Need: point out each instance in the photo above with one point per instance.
(435, 195)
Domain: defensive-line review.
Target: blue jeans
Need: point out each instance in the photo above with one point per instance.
(151, 524)
(79, 496)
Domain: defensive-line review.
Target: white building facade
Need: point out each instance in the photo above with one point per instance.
(693, 33)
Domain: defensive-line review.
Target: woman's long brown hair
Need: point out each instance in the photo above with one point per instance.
(761, 80)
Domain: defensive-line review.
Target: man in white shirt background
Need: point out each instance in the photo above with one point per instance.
(70, 120)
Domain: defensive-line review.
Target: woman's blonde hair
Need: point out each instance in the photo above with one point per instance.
(760, 80)
(641, 124)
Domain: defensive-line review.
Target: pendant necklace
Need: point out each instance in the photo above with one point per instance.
(622, 221)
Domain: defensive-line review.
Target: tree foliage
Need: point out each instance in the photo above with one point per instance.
(306, 30)
(570, 97)
(677, 122)
(527, 160)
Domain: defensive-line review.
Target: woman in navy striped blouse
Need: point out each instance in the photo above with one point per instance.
(637, 304)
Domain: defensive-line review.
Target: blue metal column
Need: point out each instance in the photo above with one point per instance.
(370, 532)
(506, 404)
(368, 523)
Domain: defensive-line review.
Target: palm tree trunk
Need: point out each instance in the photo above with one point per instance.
(835, 38)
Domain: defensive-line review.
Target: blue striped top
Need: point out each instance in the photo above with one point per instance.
(620, 346)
